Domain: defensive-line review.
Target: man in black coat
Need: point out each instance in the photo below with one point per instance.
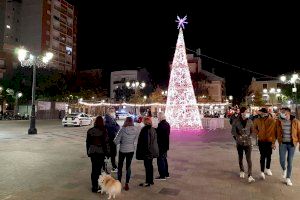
(163, 140)
(112, 128)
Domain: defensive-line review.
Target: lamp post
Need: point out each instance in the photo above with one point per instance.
(28, 60)
(293, 79)
(164, 93)
(135, 85)
(1, 105)
(272, 92)
(18, 95)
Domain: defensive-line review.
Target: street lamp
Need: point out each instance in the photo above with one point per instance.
(29, 60)
(164, 93)
(18, 95)
(274, 92)
(293, 80)
(135, 85)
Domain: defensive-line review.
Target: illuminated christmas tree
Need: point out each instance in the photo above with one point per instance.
(182, 111)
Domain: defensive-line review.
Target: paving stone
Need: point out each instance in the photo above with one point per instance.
(169, 191)
(53, 165)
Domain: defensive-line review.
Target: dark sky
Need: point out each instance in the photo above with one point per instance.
(260, 37)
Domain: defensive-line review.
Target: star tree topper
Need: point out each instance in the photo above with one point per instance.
(181, 22)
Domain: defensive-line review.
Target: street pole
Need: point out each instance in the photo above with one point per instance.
(16, 110)
(295, 99)
(32, 129)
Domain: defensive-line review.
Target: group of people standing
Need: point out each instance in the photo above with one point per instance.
(103, 138)
(285, 129)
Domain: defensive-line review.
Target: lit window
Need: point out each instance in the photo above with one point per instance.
(69, 50)
(8, 26)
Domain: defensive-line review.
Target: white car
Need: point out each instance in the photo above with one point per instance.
(77, 119)
(122, 115)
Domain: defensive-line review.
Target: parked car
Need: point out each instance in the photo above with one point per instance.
(122, 114)
(137, 118)
(77, 119)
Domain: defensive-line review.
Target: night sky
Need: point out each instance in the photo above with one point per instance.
(260, 37)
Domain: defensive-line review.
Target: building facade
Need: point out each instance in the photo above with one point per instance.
(270, 90)
(40, 26)
(10, 26)
(119, 78)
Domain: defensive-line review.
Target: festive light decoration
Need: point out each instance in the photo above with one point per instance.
(102, 103)
(181, 22)
(182, 111)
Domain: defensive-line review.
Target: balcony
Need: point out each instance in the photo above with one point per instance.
(70, 15)
(64, 11)
(56, 28)
(56, 38)
(63, 21)
(56, 8)
(69, 43)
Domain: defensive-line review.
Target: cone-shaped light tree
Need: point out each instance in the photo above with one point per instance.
(182, 111)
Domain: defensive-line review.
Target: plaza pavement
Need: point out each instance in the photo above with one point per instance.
(53, 165)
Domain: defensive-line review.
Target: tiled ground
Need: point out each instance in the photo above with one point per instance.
(53, 165)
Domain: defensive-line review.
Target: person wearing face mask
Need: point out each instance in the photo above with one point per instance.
(264, 128)
(242, 128)
(288, 136)
(112, 128)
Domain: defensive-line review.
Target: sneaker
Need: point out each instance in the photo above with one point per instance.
(268, 172)
(262, 175)
(114, 170)
(251, 179)
(242, 174)
(126, 187)
(284, 174)
(168, 176)
(289, 182)
(160, 178)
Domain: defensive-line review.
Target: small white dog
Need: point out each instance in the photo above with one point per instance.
(109, 185)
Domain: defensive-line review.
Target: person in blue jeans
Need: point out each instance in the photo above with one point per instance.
(288, 136)
(126, 138)
(163, 141)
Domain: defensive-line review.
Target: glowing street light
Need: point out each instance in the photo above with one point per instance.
(19, 95)
(283, 78)
(29, 60)
(135, 85)
(294, 79)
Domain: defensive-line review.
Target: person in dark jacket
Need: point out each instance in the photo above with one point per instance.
(112, 128)
(242, 128)
(147, 149)
(97, 147)
(163, 140)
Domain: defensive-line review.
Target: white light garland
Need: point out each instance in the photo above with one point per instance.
(146, 105)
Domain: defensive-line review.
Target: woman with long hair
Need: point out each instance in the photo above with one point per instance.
(126, 138)
(97, 147)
